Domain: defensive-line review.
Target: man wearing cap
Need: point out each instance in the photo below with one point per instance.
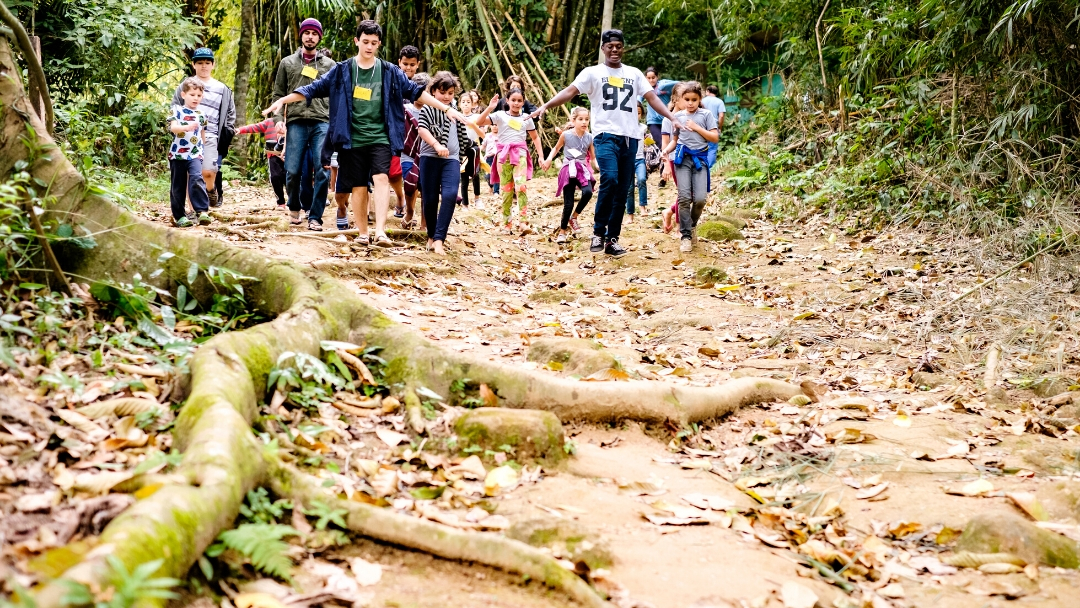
(613, 90)
(306, 125)
(220, 111)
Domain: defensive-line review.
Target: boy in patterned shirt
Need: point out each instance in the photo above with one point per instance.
(186, 156)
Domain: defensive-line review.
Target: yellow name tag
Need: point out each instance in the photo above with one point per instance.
(514, 124)
(362, 93)
(309, 72)
(615, 81)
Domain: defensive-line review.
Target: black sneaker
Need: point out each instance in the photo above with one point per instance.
(614, 249)
(597, 244)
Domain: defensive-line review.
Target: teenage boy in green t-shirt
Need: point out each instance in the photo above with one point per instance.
(367, 123)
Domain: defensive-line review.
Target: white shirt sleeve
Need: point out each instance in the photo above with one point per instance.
(641, 84)
(585, 82)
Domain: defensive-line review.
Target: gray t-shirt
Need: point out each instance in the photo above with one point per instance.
(575, 147)
(452, 145)
(691, 139)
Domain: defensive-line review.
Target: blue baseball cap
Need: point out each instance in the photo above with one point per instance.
(202, 52)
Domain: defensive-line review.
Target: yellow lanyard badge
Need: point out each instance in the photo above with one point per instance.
(514, 124)
(309, 72)
(359, 92)
(615, 81)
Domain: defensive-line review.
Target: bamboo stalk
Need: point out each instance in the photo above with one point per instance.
(498, 39)
(481, 14)
(574, 17)
(536, 62)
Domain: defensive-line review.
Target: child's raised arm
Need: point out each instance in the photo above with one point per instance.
(546, 163)
(483, 119)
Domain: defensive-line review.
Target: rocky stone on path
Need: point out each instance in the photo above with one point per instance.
(735, 221)
(930, 380)
(719, 231)
(565, 539)
(573, 356)
(1009, 533)
(531, 434)
(1051, 386)
(1061, 500)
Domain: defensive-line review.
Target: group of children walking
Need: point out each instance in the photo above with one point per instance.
(383, 118)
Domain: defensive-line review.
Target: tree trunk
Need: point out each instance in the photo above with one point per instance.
(243, 59)
(605, 22)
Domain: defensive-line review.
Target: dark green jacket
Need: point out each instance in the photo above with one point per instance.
(289, 78)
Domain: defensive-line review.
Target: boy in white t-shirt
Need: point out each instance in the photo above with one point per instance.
(613, 90)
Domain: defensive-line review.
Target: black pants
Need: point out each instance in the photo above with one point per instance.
(568, 201)
(470, 174)
(277, 177)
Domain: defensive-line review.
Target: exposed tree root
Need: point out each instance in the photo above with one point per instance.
(394, 233)
(229, 374)
(388, 526)
(253, 219)
(377, 267)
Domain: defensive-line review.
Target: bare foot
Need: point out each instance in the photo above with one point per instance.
(430, 244)
(439, 248)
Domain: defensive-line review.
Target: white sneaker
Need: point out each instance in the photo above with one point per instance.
(686, 246)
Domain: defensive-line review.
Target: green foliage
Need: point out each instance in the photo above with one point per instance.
(261, 510)
(326, 515)
(139, 585)
(147, 305)
(305, 379)
(106, 52)
(132, 136)
(261, 544)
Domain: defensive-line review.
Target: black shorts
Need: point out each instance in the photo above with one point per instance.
(357, 165)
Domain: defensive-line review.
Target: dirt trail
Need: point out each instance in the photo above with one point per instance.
(855, 315)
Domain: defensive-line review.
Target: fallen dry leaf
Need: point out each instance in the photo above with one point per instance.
(500, 480)
(872, 491)
(1029, 504)
(794, 595)
(390, 438)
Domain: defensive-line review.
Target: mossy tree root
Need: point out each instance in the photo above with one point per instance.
(389, 526)
(229, 373)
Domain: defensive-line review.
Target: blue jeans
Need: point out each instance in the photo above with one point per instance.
(305, 137)
(307, 184)
(435, 174)
(640, 177)
(186, 180)
(615, 156)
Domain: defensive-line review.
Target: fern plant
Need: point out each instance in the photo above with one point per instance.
(130, 587)
(259, 509)
(261, 544)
